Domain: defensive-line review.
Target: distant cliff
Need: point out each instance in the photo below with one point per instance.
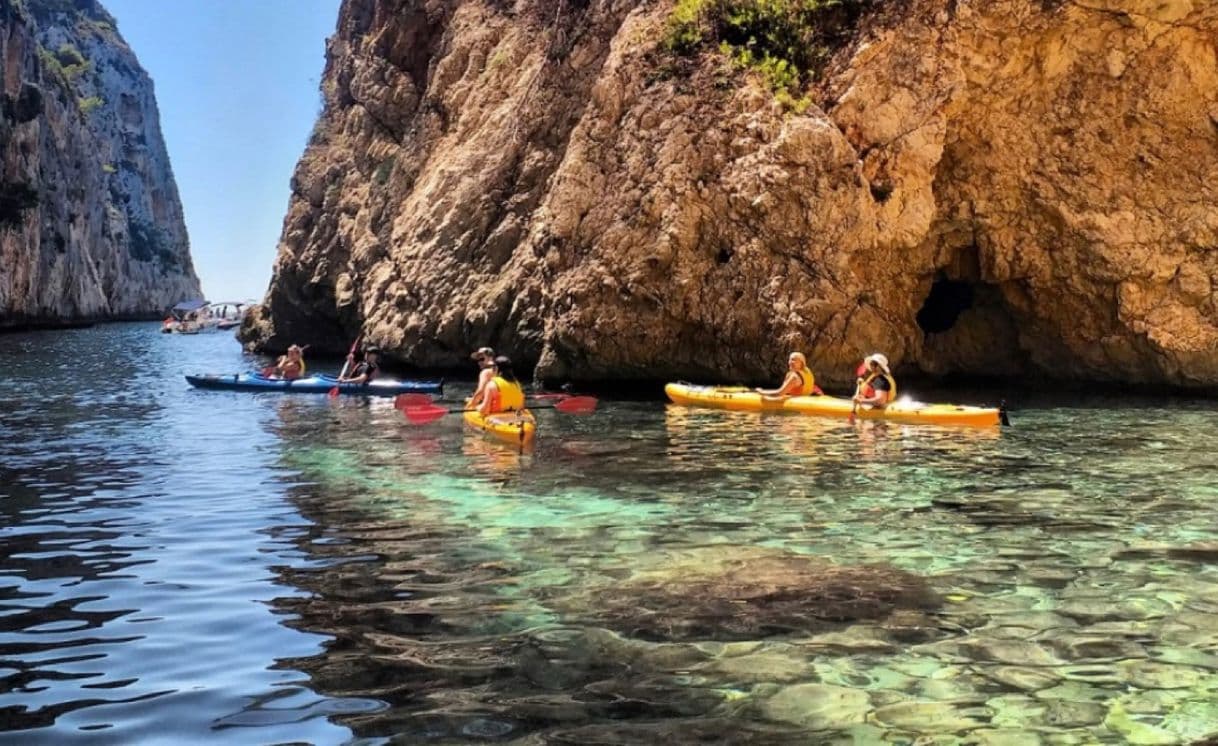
(618, 189)
(91, 227)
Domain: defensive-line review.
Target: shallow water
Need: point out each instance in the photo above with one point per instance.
(180, 565)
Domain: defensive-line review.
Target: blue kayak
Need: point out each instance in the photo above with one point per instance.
(314, 384)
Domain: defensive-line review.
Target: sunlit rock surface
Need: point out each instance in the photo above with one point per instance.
(91, 227)
(1001, 187)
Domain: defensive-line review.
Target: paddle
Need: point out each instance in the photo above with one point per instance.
(431, 412)
(402, 401)
(333, 393)
(564, 394)
(858, 387)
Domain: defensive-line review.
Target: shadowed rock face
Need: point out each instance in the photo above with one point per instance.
(90, 222)
(1002, 187)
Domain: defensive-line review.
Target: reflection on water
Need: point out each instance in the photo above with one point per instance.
(196, 565)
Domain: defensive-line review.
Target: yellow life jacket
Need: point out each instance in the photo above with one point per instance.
(807, 382)
(892, 385)
(511, 395)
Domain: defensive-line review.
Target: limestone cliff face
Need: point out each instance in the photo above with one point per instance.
(1002, 187)
(90, 222)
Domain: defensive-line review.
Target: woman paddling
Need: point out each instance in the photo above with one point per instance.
(366, 370)
(876, 387)
(799, 380)
(504, 393)
(292, 365)
(485, 358)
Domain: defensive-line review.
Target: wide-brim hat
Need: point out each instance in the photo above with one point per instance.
(482, 352)
(880, 360)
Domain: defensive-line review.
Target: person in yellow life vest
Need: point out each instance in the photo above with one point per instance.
(798, 382)
(876, 386)
(504, 393)
(291, 365)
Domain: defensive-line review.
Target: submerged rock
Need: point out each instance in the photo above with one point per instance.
(818, 706)
(743, 593)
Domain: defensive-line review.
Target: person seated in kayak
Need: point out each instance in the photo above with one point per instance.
(504, 393)
(292, 365)
(485, 358)
(876, 387)
(798, 382)
(365, 370)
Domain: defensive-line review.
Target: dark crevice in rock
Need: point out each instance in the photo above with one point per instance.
(943, 306)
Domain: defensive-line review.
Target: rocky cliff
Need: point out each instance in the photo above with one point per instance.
(1003, 187)
(90, 222)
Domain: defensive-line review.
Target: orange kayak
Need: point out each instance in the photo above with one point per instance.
(740, 399)
(515, 428)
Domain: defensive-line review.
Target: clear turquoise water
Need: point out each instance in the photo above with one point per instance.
(179, 565)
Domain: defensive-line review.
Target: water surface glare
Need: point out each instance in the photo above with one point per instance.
(184, 566)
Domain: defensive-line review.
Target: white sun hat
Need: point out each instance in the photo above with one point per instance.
(880, 360)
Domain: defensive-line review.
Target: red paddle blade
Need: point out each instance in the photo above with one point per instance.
(402, 401)
(423, 415)
(333, 393)
(577, 405)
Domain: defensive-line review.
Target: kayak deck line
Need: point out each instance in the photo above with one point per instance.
(313, 384)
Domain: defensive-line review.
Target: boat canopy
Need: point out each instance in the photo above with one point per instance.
(190, 305)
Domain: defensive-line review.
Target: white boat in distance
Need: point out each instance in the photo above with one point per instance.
(196, 316)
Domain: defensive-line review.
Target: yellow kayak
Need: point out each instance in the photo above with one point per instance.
(740, 399)
(516, 428)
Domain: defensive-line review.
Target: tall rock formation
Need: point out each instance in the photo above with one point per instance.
(1004, 187)
(90, 222)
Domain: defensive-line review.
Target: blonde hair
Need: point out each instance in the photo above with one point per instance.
(798, 356)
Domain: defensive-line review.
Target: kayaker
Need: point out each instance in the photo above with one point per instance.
(292, 365)
(798, 382)
(485, 358)
(504, 393)
(365, 370)
(875, 387)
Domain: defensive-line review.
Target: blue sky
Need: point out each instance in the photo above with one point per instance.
(237, 84)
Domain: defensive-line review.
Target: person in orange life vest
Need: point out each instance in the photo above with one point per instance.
(798, 382)
(875, 387)
(504, 393)
(291, 365)
(366, 370)
(485, 358)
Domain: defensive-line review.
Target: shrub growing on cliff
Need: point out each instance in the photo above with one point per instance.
(87, 105)
(65, 64)
(787, 41)
(383, 170)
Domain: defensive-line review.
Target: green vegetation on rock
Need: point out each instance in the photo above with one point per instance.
(87, 105)
(787, 41)
(383, 170)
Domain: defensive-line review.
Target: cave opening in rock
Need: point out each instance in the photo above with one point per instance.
(944, 304)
